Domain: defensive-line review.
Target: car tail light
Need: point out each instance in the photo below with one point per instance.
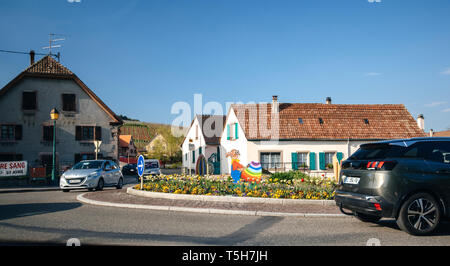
(377, 206)
(381, 165)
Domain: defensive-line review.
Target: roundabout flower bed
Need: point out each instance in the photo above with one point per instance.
(304, 188)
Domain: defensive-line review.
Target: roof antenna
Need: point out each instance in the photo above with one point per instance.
(51, 41)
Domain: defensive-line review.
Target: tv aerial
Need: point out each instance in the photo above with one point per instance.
(53, 37)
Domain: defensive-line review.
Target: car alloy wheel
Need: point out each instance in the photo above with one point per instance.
(419, 215)
(422, 214)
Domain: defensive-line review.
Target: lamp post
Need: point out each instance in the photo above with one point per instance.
(54, 115)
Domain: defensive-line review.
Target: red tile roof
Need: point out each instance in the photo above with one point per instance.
(340, 121)
(442, 133)
(48, 65)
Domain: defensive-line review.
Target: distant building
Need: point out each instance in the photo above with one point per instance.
(157, 140)
(126, 146)
(445, 133)
(27, 131)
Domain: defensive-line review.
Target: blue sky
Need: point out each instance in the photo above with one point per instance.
(142, 56)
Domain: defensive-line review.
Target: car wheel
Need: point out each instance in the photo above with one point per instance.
(90, 189)
(120, 183)
(100, 184)
(419, 215)
(65, 190)
(367, 218)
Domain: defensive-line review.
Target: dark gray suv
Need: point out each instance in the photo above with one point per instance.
(407, 179)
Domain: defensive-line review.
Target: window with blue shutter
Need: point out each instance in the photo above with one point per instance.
(235, 130)
(200, 151)
(228, 132)
(193, 156)
(312, 161)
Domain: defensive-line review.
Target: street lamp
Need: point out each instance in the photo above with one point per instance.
(54, 115)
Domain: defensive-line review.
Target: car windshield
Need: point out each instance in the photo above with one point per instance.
(88, 165)
(150, 165)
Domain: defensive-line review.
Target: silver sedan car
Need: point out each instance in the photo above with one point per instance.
(92, 174)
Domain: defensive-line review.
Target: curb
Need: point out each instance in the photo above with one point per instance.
(232, 199)
(81, 198)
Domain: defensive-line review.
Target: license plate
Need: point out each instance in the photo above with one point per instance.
(352, 180)
(74, 181)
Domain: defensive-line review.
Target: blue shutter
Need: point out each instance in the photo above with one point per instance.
(200, 151)
(294, 161)
(236, 130)
(340, 156)
(312, 161)
(228, 132)
(193, 156)
(322, 161)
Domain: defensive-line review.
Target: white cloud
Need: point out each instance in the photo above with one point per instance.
(446, 71)
(374, 1)
(372, 74)
(446, 110)
(434, 104)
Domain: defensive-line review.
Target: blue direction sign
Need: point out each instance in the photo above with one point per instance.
(140, 165)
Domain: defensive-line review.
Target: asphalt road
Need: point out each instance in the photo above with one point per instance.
(53, 217)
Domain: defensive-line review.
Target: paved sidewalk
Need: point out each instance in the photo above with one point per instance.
(120, 198)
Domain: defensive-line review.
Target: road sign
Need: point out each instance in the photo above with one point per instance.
(140, 169)
(140, 165)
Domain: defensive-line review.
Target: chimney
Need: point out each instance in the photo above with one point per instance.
(275, 107)
(32, 53)
(431, 133)
(328, 100)
(421, 121)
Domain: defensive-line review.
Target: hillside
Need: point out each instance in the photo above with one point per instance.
(144, 132)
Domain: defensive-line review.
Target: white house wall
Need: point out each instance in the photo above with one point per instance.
(286, 148)
(199, 142)
(239, 144)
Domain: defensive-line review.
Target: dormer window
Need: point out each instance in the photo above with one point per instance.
(321, 121)
(366, 121)
(300, 120)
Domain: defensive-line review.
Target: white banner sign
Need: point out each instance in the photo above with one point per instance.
(18, 168)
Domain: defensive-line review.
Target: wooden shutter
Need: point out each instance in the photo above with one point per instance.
(78, 132)
(18, 132)
(294, 161)
(98, 133)
(312, 161)
(322, 161)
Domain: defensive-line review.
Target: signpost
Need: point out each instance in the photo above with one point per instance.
(97, 144)
(140, 169)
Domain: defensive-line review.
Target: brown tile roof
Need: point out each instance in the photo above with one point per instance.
(340, 121)
(48, 65)
(442, 133)
(217, 120)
